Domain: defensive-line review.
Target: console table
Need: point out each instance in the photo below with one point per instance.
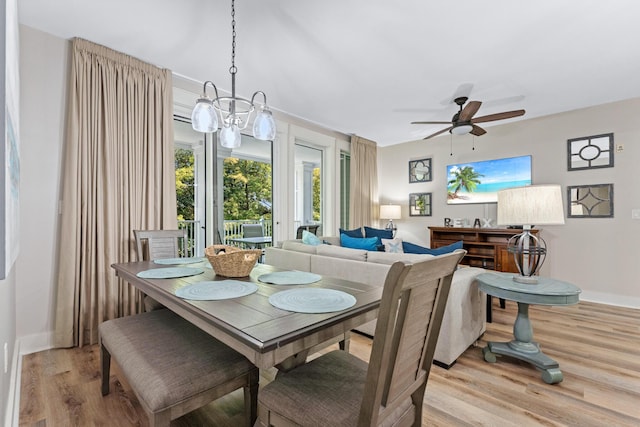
(546, 292)
(486, 248)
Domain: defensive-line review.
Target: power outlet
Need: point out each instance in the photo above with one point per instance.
(619, 148)
(635, 213)
(6, 358)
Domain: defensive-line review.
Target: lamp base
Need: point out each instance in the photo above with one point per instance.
(529, 280)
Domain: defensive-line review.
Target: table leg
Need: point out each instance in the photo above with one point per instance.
(524, 348)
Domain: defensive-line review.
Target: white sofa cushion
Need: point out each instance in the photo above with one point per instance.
(293, 245)
(390, 258)
(342, 253)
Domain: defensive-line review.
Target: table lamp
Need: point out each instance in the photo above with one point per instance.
(528, 206)
(390, 212)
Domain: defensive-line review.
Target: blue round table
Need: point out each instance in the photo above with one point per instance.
(546, 292)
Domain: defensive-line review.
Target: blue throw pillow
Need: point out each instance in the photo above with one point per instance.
(310, 238)
(356, 232)
(368, 244)
(411, 248)
(381, 233)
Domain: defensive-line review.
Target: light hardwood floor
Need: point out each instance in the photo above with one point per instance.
(597, 346)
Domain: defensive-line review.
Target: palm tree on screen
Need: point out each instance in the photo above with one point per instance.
(463, 178)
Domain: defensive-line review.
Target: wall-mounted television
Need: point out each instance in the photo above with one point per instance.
(479, 182)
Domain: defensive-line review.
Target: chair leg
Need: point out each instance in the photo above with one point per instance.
(251, 397)
(344, 344)
(105, 368)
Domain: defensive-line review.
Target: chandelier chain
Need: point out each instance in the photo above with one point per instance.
(233, 68)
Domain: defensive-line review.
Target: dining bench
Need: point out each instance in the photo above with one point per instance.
(174, 367)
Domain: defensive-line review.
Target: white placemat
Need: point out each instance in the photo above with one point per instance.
(179, 261)
(216, 290)
(292, 277)
(169, 272)
(312, 300)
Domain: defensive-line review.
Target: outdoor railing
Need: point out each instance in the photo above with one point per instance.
(233, 228)
(194, 243)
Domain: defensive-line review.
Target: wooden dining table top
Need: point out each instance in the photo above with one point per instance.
(266, 335)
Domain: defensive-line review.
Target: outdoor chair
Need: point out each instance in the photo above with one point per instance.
(252, 230)
(310, 228)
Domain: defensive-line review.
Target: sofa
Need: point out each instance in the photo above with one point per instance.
(465, 314)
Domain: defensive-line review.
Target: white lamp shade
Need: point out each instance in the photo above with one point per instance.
(264, 127)
(531, 205)
(203, 116)
(390, 212)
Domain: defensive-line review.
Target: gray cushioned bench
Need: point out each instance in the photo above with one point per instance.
(173, 366)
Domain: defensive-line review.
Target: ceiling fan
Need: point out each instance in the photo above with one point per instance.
(463, 121)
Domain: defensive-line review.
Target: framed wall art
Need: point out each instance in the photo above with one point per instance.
(590, 201)
(590, 152)
(420, 204)
(420, 170)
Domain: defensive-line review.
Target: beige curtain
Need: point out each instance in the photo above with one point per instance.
(363, 203)
(118, 176)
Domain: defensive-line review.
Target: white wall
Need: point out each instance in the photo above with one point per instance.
(43, 63)
(599, 255)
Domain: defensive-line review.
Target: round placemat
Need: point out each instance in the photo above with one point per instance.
(312, 300)
(169, 272)
(216, 290)
(179, 261)
(292, 277)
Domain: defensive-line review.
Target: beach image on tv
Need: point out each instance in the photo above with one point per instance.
(479, 182)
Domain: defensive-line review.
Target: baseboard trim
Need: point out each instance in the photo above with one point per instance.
(36, 342)
(13, 400)
(610, 299)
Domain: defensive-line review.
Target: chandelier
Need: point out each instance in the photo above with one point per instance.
(235, 112)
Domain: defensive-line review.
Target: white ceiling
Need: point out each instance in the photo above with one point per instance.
(356, 66)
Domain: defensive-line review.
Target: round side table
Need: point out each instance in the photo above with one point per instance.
(546, 292)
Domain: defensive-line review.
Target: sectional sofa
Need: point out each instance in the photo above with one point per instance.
(465, 314)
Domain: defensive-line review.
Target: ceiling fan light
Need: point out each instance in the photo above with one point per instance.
(461, 129)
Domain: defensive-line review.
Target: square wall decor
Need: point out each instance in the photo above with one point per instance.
(590, 152)
(420, 170)
(420, 204)
(590, 201)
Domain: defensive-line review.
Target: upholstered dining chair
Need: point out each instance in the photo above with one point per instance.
(157, 244)
(338, 389)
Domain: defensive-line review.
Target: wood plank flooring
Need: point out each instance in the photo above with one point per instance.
(597, 346)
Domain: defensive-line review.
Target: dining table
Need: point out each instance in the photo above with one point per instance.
(266, 335)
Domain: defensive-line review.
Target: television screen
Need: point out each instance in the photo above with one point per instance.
(479, 182)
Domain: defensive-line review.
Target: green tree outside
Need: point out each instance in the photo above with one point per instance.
(247, 189)
(184, 164)
(316, 194)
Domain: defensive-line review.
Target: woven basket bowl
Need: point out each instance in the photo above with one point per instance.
(230, 261)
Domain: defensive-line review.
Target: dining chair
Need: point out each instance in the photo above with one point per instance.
(310, 228)
(158, 244)
(338, 389)
(252, 230)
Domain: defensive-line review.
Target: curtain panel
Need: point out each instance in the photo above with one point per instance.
(363, 202)
(118, 176)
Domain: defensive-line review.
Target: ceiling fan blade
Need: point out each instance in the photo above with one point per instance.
(438, 133)
(469, 110)
(430, 123)
(477, 131)
(498, 116)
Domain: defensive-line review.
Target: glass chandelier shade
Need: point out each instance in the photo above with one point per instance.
(234, 112)
(203, 117)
